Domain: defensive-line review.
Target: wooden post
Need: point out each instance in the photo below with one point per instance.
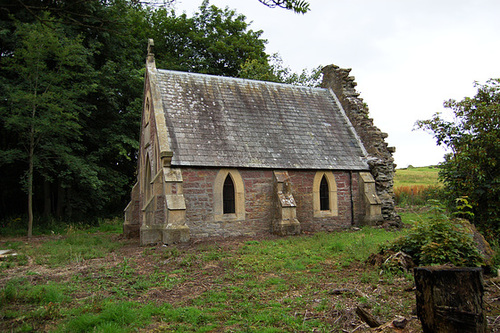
(450, 299)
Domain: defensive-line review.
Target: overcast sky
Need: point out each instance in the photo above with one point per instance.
(408, 56)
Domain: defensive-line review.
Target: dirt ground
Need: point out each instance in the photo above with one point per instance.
(200, 282)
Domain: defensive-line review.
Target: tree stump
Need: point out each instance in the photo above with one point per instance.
(450, 299)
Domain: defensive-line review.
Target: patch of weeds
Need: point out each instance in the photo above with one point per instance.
(112, 317)
(171, 253)
(48, 297)
(50, 311)
(169, 282)
(294, 265)
(149, 251)
(212, 297)
(388, 277)
(190, 315)
(273, 281)
(188, 260)
(12, 261)
(370, 277)
(324, 305)
(142, 284)
(15, 245)
(45, 294)
(11, 291)
(213, 253)
(381, 311)
(178, 271)
(124, 268)
(336, 246)
(75, 247)
(238, 275)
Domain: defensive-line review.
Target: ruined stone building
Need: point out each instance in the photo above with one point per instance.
(223, 156)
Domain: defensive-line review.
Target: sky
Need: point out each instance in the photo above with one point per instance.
(408, 56)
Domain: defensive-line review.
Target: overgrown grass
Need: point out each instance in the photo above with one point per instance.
(76, 244)
(278, 285)
(417, 195)
(415, 186)
(17, 226)
(75, 247)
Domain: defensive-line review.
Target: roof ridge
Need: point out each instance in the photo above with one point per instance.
(231, 78)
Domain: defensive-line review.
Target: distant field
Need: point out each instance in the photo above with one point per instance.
(426, 176)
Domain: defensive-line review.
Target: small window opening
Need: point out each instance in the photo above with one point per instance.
(324, 195)
(229, 204)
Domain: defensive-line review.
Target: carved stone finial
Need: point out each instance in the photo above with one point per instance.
(151, 55)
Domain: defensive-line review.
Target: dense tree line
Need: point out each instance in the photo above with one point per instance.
(71, 80)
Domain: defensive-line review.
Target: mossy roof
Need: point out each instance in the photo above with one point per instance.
(215, 121)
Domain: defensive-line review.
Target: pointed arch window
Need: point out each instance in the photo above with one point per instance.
(228, 202)
(147, 180)
(324, 195)
(229, 197)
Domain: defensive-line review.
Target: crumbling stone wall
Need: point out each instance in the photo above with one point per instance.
(380, 159)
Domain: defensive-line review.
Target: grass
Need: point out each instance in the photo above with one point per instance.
(415, 186)
(265, 285)
(75, 247)
(97, 282)
(17, 226)
(425, 176)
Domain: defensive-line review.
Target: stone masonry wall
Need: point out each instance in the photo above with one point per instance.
(302, 188)
(198, 185)
(380, 158)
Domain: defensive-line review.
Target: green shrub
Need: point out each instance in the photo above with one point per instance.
(439, 240)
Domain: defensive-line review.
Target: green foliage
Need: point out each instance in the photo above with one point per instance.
(213, 41)
(472, 169)
(90, 67)
(298, 6)
(439, 240)
(275, 71)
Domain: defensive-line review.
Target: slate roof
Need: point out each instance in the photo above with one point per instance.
(227, 122)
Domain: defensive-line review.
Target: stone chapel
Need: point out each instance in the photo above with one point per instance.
(223, 156)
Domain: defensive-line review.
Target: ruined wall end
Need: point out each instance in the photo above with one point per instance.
(380, 157)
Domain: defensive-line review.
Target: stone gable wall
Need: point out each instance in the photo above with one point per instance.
(260, 207)
(380, 159)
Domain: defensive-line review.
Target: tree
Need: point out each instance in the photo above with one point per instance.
(86, 126)
(213, 41)
(472, 168)
(49, 76)
(274, 71)
(298, 6)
